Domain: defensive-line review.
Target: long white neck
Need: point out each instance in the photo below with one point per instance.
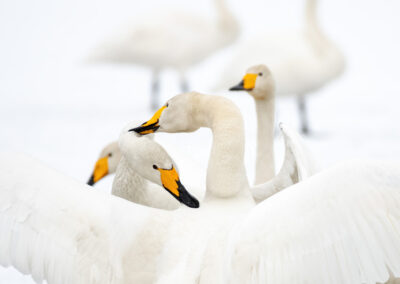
(226, 21)
(311, 22)
(265, 168)
(130, 185)
(312, 29)
(226, 175)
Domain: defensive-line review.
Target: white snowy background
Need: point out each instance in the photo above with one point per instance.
(62, 111)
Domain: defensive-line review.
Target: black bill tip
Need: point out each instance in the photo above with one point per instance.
(186, 198)
(91, 180)
(238, 87)
(143, 130)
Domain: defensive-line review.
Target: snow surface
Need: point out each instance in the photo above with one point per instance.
(62, 111)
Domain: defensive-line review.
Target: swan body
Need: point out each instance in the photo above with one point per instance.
(170, 40)
(301, 61)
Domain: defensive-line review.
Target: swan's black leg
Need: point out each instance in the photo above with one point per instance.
(301, 103)
(184, 84)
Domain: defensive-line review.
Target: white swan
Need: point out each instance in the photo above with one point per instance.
(259, 83)
(301, 62)
(170, 40)
(55, 228)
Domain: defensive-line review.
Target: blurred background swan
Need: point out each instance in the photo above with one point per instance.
(170, 39)
(63, 112)
(301, 60)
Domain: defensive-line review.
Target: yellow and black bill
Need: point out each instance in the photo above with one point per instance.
(247, 84)
(171, 182)
(100, 171)
(151, 125)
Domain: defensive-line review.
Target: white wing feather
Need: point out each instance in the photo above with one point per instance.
(297, 166)
(339, 226)
(59, 230)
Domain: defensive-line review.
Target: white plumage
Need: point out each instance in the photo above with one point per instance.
(340, 226)
(298, 165)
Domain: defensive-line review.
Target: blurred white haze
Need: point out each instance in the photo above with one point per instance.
(62, 111)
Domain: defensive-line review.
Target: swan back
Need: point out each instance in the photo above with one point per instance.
(174, 39)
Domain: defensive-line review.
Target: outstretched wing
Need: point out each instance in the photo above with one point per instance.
(297, 166)
(60, 230)
(340, 226)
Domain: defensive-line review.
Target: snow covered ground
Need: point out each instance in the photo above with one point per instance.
(62, 111)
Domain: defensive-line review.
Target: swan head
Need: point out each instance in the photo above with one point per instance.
(177, 115)
(152, 162)
(107, 162)
(258, 82)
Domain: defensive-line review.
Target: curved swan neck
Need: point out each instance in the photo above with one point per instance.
(265, 168)
(319, 41)
(128, 184)
(226, 21)
(226, 175)
(311, 21)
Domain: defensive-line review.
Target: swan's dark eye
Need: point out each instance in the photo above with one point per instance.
(155, 167)
(110, 154)
(260, 74)
(166, 104)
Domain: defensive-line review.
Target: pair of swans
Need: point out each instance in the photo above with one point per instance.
(301, 61)
(170, 40)
(339, 226)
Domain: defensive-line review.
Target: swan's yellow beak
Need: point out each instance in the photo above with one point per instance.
(171, 182)
(100, 171)
(151, 125)
(247, 84)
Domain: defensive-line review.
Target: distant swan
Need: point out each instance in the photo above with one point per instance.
(301, 61)
(170, 40)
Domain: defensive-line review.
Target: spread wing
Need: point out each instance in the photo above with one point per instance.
(59, 230)
(297, 166)
(339, 226)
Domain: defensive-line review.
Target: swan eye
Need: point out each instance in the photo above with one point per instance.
(166, 104)
(260, 74)
(110, 154)
(155, 167)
